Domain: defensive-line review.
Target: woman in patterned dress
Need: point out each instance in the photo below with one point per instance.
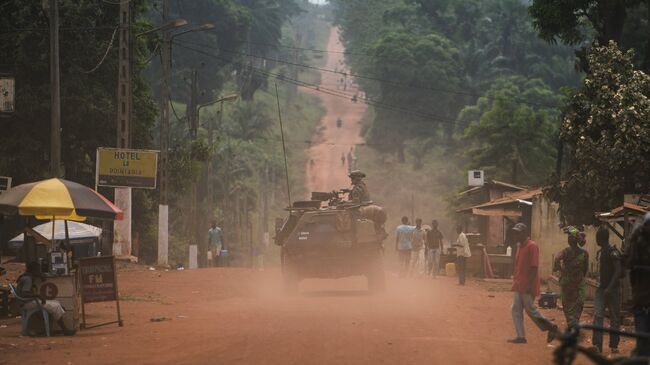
(573, 263)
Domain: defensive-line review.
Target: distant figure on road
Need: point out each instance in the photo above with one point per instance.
(359, 192)
(351, 160)
(434, 247)
(343, 159)
(608, 294)
(215, 242)
(525, 285)
(339, 122)
(573, 264)
(462, 254)
(637, 259)
(403, 245)
(417, 252)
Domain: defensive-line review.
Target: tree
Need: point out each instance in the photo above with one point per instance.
(512, 130)
(607, 127)
(566, 20)
(88, 99)
(426, 61)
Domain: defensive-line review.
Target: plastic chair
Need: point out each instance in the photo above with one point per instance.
(28, 313)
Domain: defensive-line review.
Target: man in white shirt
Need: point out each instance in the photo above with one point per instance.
(462, 254)
(403, 245)
(417, 252)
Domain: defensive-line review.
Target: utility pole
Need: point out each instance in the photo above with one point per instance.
(194, 216)
(55, 92)
(194, 123)
(163, 207)
(122, 228)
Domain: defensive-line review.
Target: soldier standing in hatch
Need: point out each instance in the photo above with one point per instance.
(359, 192)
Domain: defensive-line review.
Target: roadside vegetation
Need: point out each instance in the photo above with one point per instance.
(254, 45)
(497, 86)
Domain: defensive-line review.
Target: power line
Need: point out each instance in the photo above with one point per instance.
(117, 2)
(110, 45)
(329, 91)
(374, 78)
(17, 30)
(309, 49)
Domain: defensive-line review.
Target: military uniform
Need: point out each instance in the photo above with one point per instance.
(359, 192)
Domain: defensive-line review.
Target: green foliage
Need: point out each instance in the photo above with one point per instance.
(579, 22)
(424, 60)
(88, 108)
(506, 134)
(432, 58)
(607, 127)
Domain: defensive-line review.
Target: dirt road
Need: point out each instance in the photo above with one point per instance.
(236, 316)
(325, 170)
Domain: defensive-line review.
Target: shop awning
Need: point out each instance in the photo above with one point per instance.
(618, 214)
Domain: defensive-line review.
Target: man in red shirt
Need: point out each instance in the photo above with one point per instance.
(525, 285)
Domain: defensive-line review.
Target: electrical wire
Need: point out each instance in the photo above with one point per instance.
(320, 89)
(153, 54)
(110, 45)
(373, 78)
(117, 2)
(325, 90)
(174, 110)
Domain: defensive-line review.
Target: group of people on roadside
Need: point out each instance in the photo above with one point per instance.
(418, 248)
(572, 263)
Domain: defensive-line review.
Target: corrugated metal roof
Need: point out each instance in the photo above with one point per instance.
(493, 184)
(517, 197)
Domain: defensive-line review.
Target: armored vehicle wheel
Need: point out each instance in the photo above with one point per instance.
(290, 280)
(376, 276)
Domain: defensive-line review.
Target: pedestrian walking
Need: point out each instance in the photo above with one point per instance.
(462, 254)
(637, 260)
(417, 252)
(573, 264)
(403, 245)
(434, 247)
(608, 294)
(215, 242)
(525, 287)
(350, 158)
(343, 159)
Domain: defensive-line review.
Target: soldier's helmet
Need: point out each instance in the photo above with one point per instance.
(357, 174)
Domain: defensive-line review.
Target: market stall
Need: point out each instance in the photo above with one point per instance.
(58, 200)
(85, 239)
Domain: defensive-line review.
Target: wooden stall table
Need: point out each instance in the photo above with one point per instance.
(501, 264)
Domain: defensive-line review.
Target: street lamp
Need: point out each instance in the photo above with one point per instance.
(232, 97)
(176, 23)
(200, 28)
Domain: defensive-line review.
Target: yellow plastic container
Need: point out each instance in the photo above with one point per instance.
(450, 269)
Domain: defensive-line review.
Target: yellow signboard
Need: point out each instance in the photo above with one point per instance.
(119, 167)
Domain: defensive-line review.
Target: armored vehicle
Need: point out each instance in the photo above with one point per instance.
(333, 241)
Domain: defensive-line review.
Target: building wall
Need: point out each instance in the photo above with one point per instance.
(551, 239)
